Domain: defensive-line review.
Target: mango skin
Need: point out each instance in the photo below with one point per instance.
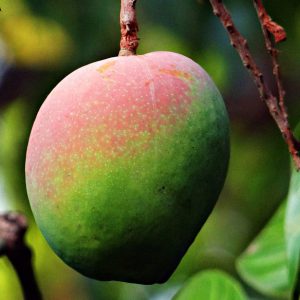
(125, 162)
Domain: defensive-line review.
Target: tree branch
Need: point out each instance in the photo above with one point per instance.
(13, 227)
(276, 107)
(129, 28)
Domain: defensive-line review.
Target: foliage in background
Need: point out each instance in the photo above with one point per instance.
(42, 41)
(211, 285)
(264, 263)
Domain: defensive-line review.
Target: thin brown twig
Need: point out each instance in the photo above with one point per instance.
(129, 28)
(276, 107)
(269, 27)
(13, 227)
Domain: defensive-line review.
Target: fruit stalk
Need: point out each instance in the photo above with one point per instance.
(276, 106)
(129, 28)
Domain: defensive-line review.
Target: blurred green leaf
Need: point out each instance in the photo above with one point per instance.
(14, 131)
(33, 41)
(9, 284)
(211, 285)
(41, 43)
(264, 265)
(156, 38)
(292, 226)
(216, 66)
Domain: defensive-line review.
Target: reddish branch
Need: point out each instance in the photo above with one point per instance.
(129, 28)
(271, 28)
(275, 104)
(12, 230)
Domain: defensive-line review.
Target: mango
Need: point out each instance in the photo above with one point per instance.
(125, 162)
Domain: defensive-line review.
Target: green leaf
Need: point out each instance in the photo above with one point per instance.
(211, 285)
(292, 226)
(264, 264)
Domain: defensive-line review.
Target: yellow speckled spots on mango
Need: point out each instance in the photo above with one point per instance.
(176, 73)
(105, 67)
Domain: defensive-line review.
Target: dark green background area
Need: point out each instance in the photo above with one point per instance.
(42, 41)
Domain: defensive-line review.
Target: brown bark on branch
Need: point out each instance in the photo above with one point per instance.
(276, 106)
(13, 227)
(129, 28)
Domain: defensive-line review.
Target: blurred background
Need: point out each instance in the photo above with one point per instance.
(43, 41)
